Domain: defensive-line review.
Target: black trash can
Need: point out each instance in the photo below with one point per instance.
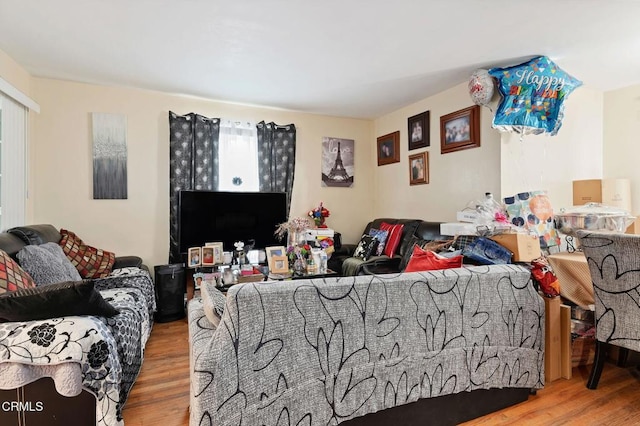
(170, 289)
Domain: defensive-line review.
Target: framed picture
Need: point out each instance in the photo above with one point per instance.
(419, 168)
(280, 264)
(274, 251)
(419, 130)
(460, 130)
(389, 148)
(207, 256)
(218, 253)
(194, 256)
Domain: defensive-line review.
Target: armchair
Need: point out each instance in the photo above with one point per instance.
(614, 265)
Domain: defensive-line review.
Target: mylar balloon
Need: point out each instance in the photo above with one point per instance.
(480, 87)
(533, 96)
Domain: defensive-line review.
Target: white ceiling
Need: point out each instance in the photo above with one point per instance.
(346, 58)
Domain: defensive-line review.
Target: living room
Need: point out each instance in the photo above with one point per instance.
(596, 141)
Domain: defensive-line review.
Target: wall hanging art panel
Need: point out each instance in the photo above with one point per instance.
(109, 156)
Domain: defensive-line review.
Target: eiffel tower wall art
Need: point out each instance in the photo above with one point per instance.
(337, 162)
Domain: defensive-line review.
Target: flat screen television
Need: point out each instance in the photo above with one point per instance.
(210, 216)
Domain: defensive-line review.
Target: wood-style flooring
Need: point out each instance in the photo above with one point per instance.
(160, 396)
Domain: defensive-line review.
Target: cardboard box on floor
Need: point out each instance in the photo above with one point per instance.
(524, 247)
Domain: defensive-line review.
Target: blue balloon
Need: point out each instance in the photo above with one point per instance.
(533, 95)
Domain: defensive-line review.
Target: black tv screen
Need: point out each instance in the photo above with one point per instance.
(210, 216)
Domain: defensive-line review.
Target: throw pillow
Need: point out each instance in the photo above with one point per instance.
(426, 260)
(89, 261)
(381, 236)
(366, 247)
(393, 240)
(12, 276)
(53, 301)
(47, 264)
(213, 302)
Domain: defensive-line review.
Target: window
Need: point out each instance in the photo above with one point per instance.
(238, 156)
(13, 176)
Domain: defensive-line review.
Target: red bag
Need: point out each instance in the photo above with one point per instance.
(426, 260)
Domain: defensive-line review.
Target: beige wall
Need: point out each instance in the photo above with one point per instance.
(12, 72)
(454, 178)
(622, 138)
(61, 168)
(552, 163)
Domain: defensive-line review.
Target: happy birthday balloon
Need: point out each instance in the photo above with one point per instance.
(480, 87)
(533, 95)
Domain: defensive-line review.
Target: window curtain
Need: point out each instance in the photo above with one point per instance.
(238, 145)
(277, 158)
(193, 164)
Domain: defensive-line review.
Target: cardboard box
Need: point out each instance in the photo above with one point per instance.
(458, 228)
(524, 247)
(552, 339)
(467, 216)
(610, 192)
(634, 228)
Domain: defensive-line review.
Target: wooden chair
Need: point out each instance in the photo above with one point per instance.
(614, 265)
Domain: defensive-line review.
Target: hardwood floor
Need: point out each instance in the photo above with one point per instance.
(160, 396)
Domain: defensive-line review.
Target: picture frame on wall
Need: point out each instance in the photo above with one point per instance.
(419, 168)
(389, 148)
(418, 131)
(460, 130)
(194, 257)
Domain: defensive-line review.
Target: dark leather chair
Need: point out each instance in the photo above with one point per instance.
(383, 264)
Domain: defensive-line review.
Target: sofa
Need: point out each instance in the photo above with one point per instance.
(82, 354)
(345, 263)
(438, 347)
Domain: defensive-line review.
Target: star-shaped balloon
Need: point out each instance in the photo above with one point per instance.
(533, 95)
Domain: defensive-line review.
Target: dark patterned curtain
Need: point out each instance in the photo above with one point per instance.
(193, 164)
(277, 158)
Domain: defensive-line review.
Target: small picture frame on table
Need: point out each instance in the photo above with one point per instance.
(207, 256)
(460, 130)
(218, 253)
(418, 128)
(275, 251)
(280, 264)
(194, 257)
(389, 149)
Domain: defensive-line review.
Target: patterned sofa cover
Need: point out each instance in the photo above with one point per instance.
(100, 355)
(323, 351)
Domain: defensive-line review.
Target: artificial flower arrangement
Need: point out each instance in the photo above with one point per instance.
(292, 227)
(319, 214)
(302, 251)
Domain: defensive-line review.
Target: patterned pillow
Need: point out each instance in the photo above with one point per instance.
(393, 240)
(47, 264)
(12, 276)
(366, 247)
(213, 302)
(89, 261)
(381, 236)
